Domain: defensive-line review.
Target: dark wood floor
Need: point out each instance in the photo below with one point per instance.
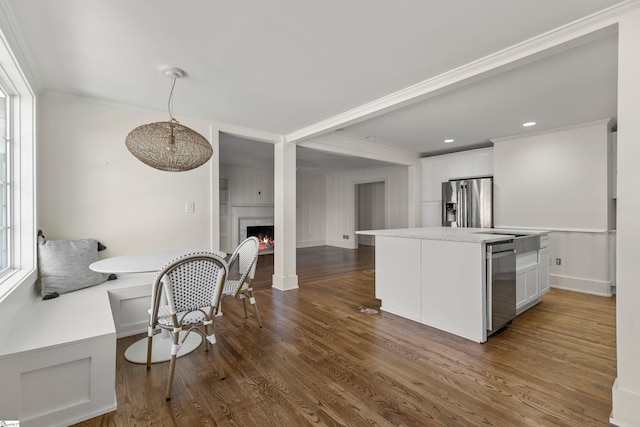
(319, 360)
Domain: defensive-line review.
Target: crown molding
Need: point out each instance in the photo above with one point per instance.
(558, 39)
(12, 38)
(601, 122)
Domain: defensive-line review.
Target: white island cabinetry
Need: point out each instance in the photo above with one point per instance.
(403, 298)
(453, 287)
(526, 280)
(437, 276)
(532, 275)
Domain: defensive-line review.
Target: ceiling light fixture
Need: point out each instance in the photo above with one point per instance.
(527, 124)
(448, 141)
(169, 146)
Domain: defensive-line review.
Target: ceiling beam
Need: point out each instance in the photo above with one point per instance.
(337, 143)
(551, 42)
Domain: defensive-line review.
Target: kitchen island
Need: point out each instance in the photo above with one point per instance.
(437, 275)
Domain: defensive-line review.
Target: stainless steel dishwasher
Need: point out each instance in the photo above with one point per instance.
(501, 284)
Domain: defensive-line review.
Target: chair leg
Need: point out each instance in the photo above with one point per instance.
(217, 360)
(207, 344)
(255, 308)
(244, 305)
(172, 370)
(172, 367)
(248, 293)
(149, 348)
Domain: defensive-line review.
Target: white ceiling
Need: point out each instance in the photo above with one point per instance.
(284, 65)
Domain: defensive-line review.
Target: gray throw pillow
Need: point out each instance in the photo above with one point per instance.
(64, 265)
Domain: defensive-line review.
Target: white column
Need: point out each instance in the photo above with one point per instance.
(214, 138)
(284, 210)
(626, 389)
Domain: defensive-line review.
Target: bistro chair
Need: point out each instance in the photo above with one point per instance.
(192, 286)
(242, 270)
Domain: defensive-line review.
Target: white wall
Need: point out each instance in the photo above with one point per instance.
(323, 203)
(326, 205)
(254, 187)
(249, 186)
(310, 207)
(553, 180)
(585, 262)
(559, 180)
(89, 185)
(341, 201)
(626, 390)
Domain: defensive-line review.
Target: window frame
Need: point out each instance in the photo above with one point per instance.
(17, 282)
(6, 182)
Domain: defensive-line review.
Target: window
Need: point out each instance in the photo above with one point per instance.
(18, 252)
(5, 193)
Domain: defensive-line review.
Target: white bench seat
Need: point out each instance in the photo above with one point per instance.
(59, 359)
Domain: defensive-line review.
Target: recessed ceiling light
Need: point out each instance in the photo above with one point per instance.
(370, 137)
(448, 141)
(527, 124)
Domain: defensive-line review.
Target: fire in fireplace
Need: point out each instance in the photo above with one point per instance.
(264, 233)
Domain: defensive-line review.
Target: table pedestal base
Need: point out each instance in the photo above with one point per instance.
(161, 348)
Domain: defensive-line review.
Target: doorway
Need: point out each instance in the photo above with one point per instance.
(370, 209)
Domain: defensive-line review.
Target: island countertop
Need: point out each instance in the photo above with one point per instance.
(453, 234)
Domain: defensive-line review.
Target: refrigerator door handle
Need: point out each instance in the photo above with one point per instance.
(461, 206)
(458, 210)
(465, 200)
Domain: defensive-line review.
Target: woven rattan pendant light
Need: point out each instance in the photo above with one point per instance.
(169, 146)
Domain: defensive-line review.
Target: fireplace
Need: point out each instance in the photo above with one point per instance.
(265, 236)
(261, 227)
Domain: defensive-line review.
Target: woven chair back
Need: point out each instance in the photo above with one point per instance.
(193, 281)
(242, 264)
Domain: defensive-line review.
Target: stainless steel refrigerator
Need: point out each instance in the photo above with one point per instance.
(468, 203)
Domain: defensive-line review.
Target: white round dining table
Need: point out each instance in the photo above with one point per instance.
(146, 263)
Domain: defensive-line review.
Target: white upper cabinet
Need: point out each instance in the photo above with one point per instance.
(482, 163)
(459, 167)
(439, 169)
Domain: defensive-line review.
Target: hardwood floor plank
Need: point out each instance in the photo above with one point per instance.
(319, 360)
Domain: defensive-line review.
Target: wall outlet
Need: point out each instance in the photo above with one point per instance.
(558, 261)
(345, 237)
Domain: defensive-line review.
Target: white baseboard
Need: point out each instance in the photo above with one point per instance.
(587, 286)
(346, 244)
(310, 243)
(626, 407)
(284, 283)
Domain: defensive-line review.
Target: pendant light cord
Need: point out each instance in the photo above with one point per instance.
(173, 84)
